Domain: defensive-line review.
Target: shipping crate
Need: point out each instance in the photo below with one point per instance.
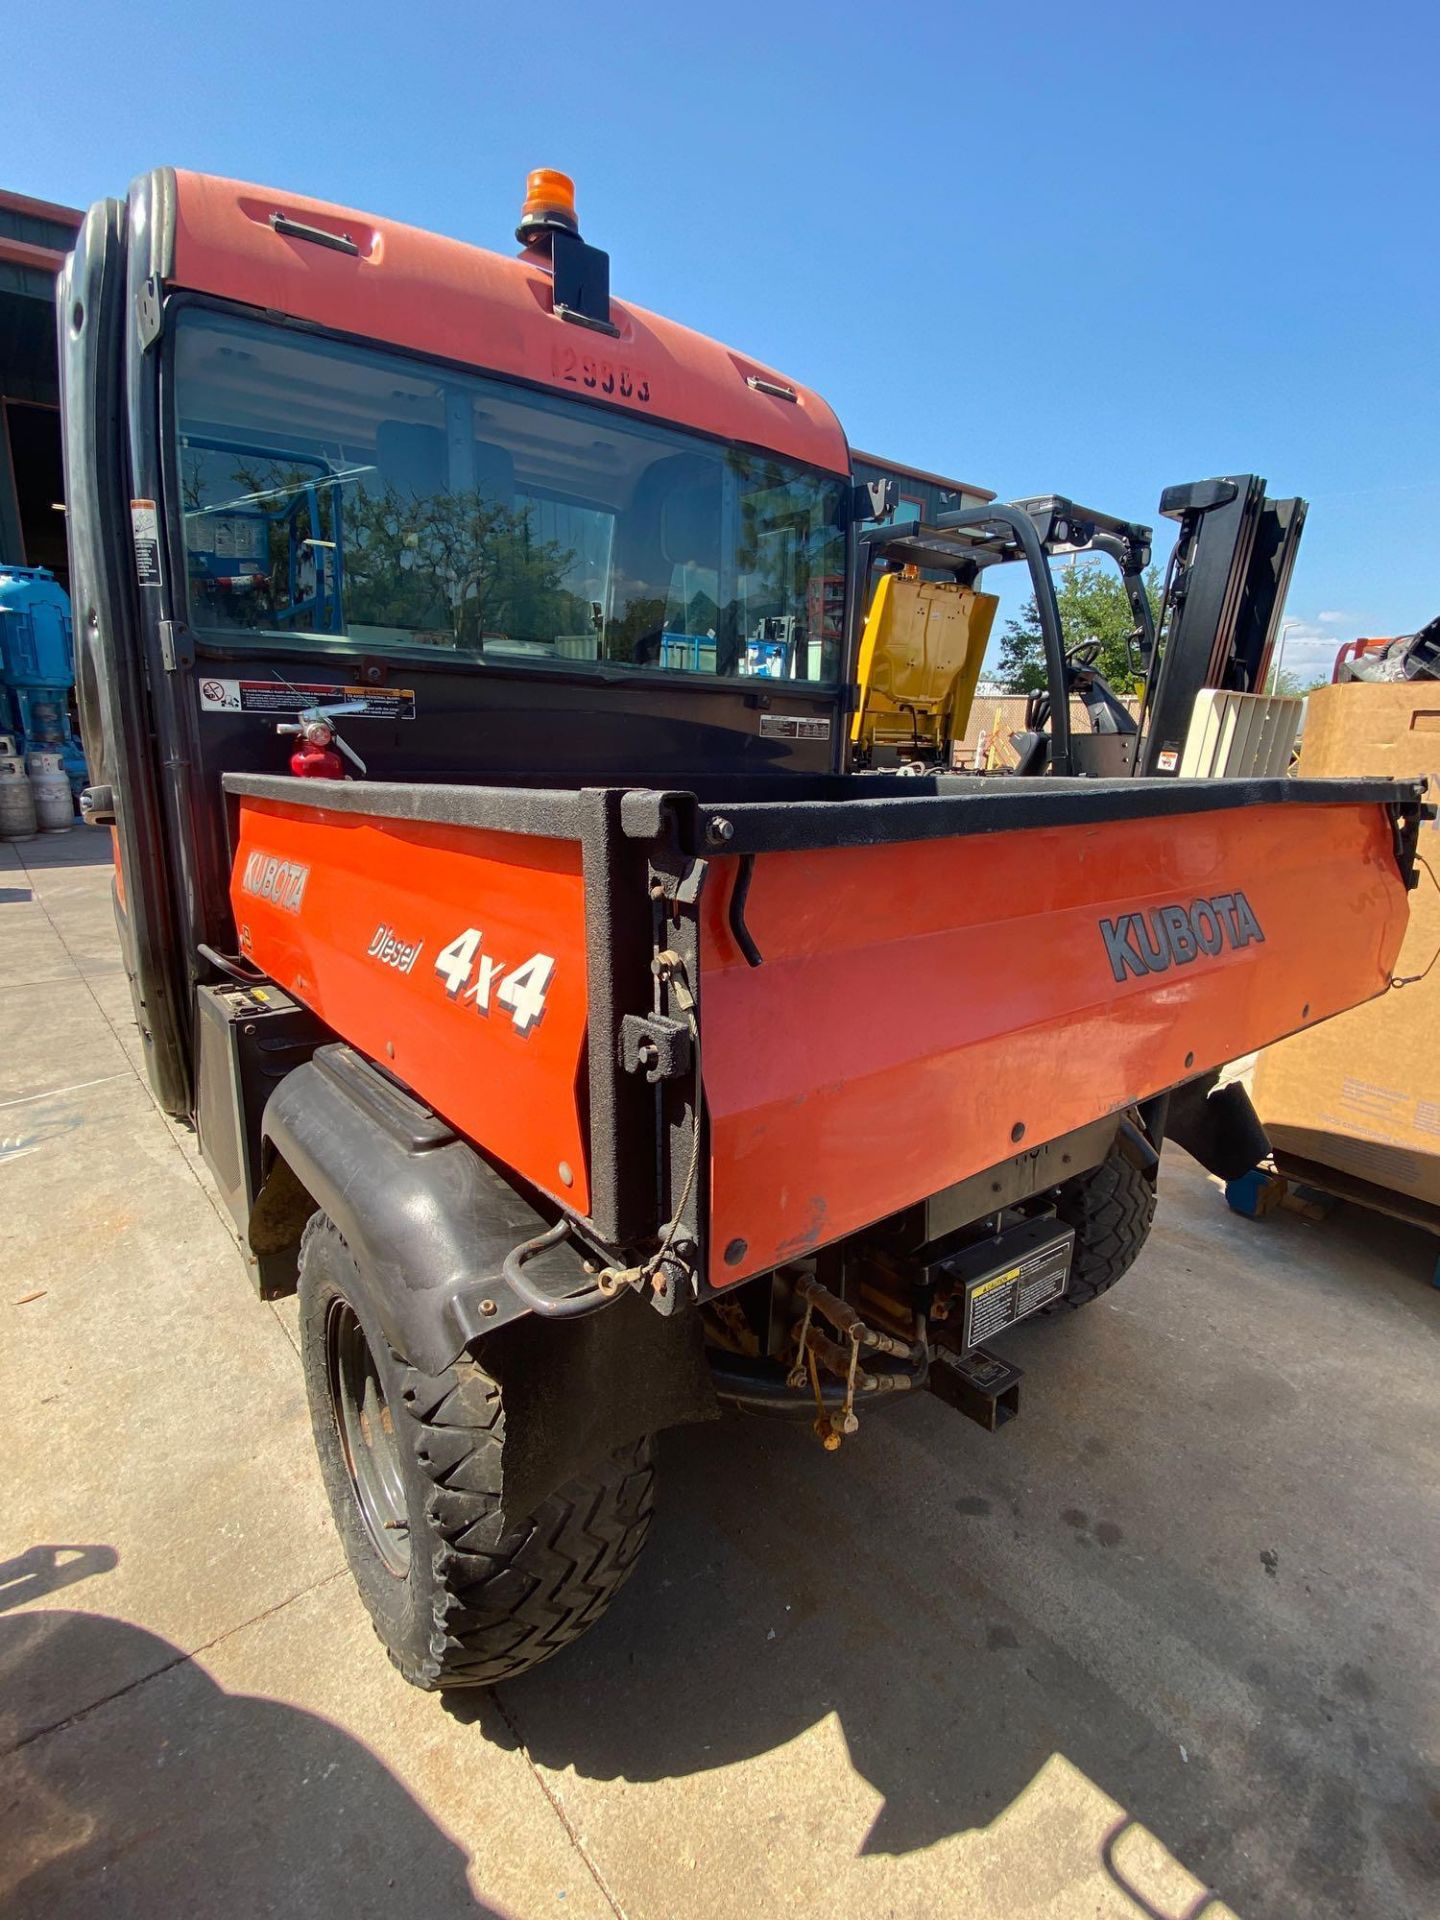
(1360, 1096)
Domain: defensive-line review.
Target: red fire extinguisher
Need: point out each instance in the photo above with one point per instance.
(315, 757)
(317, 754)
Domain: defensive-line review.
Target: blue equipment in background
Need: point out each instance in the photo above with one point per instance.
(37, 665)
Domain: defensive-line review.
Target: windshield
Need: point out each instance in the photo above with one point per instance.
(362, 501)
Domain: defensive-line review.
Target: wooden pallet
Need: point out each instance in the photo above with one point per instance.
(1297, 1184)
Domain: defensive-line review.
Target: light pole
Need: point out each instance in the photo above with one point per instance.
(1276, 670)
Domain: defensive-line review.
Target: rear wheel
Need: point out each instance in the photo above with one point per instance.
(1111, 1209)
(412, 1465)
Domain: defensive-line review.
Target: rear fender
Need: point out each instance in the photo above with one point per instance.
(429, 1223)
(428, 1220)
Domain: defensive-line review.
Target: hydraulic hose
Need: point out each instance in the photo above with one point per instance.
(762, 1386)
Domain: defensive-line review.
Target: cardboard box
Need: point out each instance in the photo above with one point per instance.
(1361, 1093)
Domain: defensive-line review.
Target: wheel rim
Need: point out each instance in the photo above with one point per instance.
(367, 1437)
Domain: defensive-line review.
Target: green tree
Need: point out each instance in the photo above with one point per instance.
(1292, 686)
(455, 566)
(1093, 606)
(642, 621)
(450, 566)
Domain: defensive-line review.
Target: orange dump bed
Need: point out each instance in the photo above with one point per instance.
(926, 1010)
(894, 993)
(403, 935)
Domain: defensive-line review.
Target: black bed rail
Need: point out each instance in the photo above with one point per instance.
(947, 806)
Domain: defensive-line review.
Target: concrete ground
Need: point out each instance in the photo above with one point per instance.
(1173, 1630)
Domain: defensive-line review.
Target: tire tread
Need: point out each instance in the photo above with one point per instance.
(1111, 1210)
(501, 1601)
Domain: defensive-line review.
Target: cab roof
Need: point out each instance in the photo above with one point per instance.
(412, 289)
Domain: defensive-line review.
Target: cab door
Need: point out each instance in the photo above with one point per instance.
(105, 529)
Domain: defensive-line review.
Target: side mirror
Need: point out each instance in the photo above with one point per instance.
(875, 499)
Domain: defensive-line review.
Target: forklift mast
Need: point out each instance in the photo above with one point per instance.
(1228, 578)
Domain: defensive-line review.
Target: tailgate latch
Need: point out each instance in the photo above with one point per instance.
(655, 1045)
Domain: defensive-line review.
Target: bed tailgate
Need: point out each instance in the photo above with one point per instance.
(926, 1008)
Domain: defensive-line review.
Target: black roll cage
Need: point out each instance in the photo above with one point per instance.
(964, 543)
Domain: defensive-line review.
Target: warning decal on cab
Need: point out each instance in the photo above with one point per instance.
(145, 531)
(275, 696)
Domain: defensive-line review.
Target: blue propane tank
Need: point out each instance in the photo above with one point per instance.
(37, 664)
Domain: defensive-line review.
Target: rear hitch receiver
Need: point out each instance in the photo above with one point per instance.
(983, 1387)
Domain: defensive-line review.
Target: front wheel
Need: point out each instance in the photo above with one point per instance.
(1111, 1209)
(412, 1465)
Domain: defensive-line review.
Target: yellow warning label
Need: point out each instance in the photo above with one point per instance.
(1000, 1280)
(1037, 1277)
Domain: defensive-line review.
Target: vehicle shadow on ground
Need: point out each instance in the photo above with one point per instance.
(176, 1797)
(783, 1585)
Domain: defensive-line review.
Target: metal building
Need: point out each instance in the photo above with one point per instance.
(922, 493)
(35, 236)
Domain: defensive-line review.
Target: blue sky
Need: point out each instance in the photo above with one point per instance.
(1094, 251)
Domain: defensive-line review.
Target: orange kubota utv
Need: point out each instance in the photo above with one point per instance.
(470, 666)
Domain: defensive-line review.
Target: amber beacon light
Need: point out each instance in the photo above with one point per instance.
(549, 205)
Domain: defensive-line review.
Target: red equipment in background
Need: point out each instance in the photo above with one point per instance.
(1352, 650)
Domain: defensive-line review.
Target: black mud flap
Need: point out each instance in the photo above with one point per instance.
(1217, 1125)
(576, 1391)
